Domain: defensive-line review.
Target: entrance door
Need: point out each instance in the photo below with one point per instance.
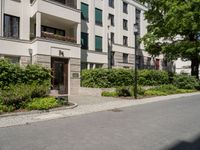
(60, 75)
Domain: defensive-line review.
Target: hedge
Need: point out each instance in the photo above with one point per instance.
(108, 78)
(13, 74)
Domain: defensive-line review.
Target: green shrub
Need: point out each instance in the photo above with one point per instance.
(19, 94)
(152, 77)
(108, 78)
(16, 95)
(123, 91)
(13, 74)
(109, 94)
(42, 103)
(154, 93)
(186, 82)
(4, 108)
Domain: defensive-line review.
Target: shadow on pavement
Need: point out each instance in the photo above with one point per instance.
(183, 145)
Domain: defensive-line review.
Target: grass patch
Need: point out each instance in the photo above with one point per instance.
(109, 94)
(42, 103)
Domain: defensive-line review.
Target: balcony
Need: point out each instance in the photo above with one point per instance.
(69, 3)
(65, 9)
(53, 28)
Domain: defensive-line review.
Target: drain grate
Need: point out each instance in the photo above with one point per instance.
(115, 110)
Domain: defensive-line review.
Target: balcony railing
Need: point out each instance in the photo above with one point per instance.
(48, 35)
(63, 2)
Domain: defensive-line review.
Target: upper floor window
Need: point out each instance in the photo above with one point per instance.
(111, 3)
(112, 21)
(125, 7)
(98, 43)
(84, 11)
(11, 26)
(98, 16)
(125, 40)
(84, 40)
(125, 24)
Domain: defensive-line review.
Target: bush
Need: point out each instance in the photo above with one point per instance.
(13, 74)
(109, 94)
(165, 90)
(17, 95)
(186, 82)
(128, 91)
(153, 77)
(108, 78)
(4, 108)
(42, 103)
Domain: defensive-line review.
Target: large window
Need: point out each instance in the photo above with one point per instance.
(98, 43)
(84, 11)
(111, 3)
(84, 40)
(11, 26)
(125, 58)
(98, 16)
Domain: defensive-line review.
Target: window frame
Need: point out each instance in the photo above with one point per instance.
(82, 16)
(98, 22)
(125, 24)
(11, 25)
(96, 48)
(125, 40)
(111, 3)
(125, 7)
(86, 47)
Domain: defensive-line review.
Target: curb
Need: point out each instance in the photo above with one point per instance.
(38, 111)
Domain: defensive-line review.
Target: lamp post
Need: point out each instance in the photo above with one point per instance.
(136, 32)
(31, 55)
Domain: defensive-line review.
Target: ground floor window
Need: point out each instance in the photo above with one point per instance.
(13, 59)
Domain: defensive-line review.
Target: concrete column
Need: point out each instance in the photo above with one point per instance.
(78, 33)
(38, 24)
(92, 25)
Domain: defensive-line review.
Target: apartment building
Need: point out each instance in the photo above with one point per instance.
(45, 32)
(69, 35)
(107, 35)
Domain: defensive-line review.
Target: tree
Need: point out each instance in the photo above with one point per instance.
(174, 30)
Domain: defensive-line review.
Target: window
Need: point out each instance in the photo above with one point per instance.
(98, 43)
(98, 66)
(53, 30)
(84, 40)
(125, 7)
(157, 64)
(125, 40)
(84, 11)
(11, 26)
(112, 37)
(125, 58)
(13, 59)
(98, 16)
(111, 3)
(125, 24)
(112, 21)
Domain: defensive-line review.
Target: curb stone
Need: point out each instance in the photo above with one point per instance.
(38, 111)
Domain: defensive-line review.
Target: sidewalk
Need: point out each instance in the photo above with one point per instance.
(86, 104)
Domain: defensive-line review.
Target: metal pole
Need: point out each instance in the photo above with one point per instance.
(135, 78)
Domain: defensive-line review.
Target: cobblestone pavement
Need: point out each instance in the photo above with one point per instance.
(87, 104)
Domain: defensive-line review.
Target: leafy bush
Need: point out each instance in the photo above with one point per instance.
(13, 74)
(165, 90)
(17, 95)
(109, 94)
(108, 78)
(4, 108)
(185, 82)
(42, 103)
(127, 91)
(153, 77)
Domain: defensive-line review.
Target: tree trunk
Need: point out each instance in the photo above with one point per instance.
(195, 67)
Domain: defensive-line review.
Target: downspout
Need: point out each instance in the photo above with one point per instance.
(2, 3)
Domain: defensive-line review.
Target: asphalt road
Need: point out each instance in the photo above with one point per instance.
(166, 125)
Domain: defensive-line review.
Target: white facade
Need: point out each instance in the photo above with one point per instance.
(48, 32)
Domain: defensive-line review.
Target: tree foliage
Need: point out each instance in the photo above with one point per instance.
(174, 30)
